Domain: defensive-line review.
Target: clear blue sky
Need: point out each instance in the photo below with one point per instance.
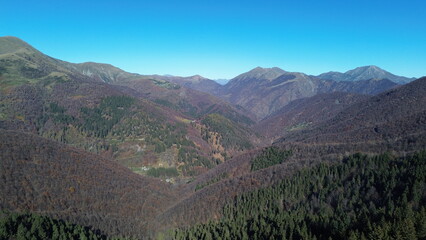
(221, 39)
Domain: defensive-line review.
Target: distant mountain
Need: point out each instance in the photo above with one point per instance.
(222, 81)
(103, 72)
(364, 73)
(196, 82)
(252, 77)
(397, 116)
(369, 87)
(263, 91)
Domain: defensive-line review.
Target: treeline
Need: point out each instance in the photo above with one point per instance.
(269, 157)
(32, 226)
(363, 197)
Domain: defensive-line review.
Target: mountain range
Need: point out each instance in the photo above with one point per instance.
(263, 91)
(270, 154)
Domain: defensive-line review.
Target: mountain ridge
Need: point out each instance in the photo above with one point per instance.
(364, 73)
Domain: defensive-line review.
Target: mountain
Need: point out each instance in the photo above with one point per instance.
(364, 73)
(393, 117)
(392, 122)
(250, 78)
(140, 121)
(367, 87)
(196, 82)
(103, 72)
(264, 91)
(137, 156)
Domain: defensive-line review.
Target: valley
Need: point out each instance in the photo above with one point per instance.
(95, 151)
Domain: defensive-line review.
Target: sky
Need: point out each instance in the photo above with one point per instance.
(221, 39)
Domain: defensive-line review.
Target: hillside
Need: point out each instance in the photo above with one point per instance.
(94, 151)
(349, 200)
(397, 114)
(139, 121)
(304, 112)
(52, 179)
(389, 116)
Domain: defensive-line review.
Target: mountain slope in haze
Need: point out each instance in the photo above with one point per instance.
(45, 177)
(304, 112)
(367, 87)
(222, 81)
(196, 82)
(264, 91)
(364, 73)
(103, 72)
(385, 117)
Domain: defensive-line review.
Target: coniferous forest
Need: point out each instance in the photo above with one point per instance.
(32, 226)
(364, 197)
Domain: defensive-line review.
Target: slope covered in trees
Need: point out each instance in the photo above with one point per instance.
(388, 117)
(49, 178)
(302, 113)
(218, 178)
(380, 197)
(32, 226)
(138, 120)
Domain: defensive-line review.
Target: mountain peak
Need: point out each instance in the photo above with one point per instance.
(10, 44)
(198, 77)
(364, 73)
(262, 69)
(260, 73)
(369, 68)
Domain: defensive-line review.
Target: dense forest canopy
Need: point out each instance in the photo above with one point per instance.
(379, 197)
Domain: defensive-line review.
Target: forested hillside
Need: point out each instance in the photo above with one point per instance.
(45, 177)
(378, 197)
(144, 123)
(32, 226)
